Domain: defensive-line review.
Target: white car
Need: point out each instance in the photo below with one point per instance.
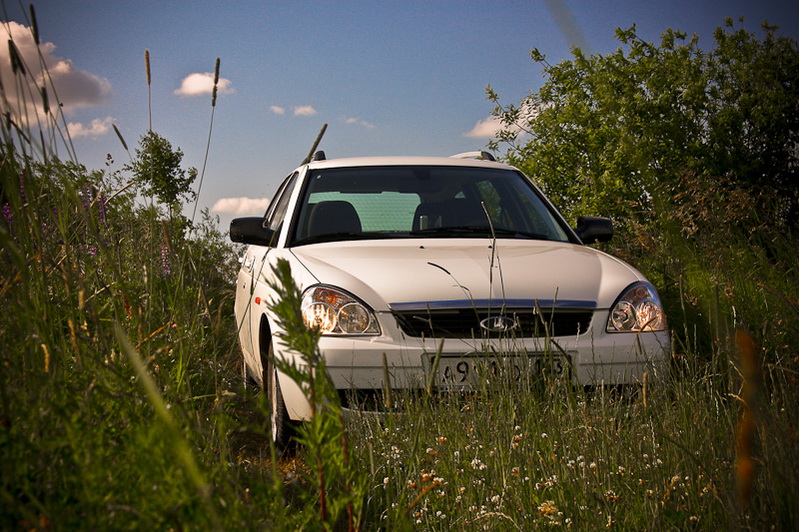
(401, 258)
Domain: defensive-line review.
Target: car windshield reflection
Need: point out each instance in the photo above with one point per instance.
(422, 202)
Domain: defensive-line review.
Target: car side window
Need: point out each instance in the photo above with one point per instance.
(281, 203)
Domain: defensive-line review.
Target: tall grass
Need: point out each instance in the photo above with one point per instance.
(522, 458)
(121, 406)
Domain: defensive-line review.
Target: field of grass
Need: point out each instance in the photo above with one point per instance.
(121, 405)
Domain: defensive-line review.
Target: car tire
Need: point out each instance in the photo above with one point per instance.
(280, 424)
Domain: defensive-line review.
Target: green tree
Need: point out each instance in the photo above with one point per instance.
(156, 168)
(616, 134)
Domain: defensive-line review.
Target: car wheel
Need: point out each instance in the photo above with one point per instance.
(280, 424)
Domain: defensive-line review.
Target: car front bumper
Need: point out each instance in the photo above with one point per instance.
(365, 363)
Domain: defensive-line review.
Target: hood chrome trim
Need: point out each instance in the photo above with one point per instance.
(492, 304)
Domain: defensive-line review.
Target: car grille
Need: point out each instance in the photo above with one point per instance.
(518, 322)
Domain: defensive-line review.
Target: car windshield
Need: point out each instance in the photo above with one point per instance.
(421, 202)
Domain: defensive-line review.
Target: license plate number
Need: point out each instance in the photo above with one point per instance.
(456, 372)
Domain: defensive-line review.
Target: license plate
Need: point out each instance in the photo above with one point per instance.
(471, 371)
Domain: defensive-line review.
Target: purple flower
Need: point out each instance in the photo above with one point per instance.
(84, 198)
(165, 264)
(22, 190)
(101, 207)
(7, 214)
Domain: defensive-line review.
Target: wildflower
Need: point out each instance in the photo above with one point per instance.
(441, 439)
(84, 197)
(548, 508)
(166, 267)
(544, 435)
(22, 191)
(551, 481)
(478, 464)
(101, 208)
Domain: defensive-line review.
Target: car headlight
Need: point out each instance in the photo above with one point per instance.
(334, 311)
(638, 309)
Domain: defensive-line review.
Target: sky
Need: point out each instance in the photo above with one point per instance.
(389, 78)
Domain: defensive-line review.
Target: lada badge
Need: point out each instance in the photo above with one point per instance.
(498, 324)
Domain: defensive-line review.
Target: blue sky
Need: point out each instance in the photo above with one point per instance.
(390, 78)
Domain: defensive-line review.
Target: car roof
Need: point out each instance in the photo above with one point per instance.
(405, 161)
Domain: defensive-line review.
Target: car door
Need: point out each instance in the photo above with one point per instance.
(256, 302)
(247, 311)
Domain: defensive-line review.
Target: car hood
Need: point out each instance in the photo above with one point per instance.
(388, 274)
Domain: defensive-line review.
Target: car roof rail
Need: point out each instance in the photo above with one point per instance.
(481, 155)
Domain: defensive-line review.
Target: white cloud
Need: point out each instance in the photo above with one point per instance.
(490, 126)
(359, 122)
(75, 88)
(485, 129)
(277, 110)
(97, 128)
(201, 83)
(304, 110)
(241, 205)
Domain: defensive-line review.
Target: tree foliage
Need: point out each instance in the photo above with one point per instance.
(615, 134)
(695, 155)
(156, 168)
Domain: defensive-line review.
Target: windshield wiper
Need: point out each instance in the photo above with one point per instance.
(331, 237)
(341, 236)
(520, 234)
(478, 231)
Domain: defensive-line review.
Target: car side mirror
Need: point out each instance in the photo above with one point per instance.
(252, 231)
(593, 229)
